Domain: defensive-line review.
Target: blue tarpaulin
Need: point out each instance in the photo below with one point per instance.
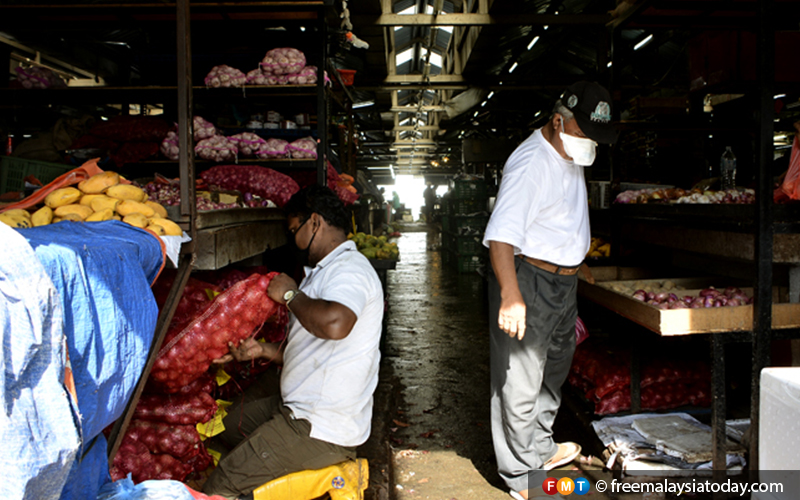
(100, 274)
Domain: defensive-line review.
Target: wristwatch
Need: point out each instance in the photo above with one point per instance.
(290, 295)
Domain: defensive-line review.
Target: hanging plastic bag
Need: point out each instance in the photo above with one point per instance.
(791, 183)
(581, 333)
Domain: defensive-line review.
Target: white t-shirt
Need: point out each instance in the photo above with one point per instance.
(330, 382)
(542, 207)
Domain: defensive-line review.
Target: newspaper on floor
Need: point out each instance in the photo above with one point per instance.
(638, 457)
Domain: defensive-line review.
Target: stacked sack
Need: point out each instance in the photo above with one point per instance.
(281, 66)
(163, 439)
(604, 377)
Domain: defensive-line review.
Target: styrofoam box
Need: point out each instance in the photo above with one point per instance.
(779, 429)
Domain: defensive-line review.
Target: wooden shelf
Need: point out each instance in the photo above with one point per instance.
(217, 247)
(145, 95)
(672, 322)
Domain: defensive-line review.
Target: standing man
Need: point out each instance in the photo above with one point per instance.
(330, 359)
(538, 236)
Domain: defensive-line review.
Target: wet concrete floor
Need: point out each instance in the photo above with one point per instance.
(431, 432)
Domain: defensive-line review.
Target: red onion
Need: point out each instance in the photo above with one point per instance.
(687, 299)
(661, 296)
(650, 296)
(673, 298)
(709, 292)
(640, 295)
(678, 305)
(708, 301)
(734, 302)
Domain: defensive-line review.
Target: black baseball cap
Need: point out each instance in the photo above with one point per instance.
(591, 105)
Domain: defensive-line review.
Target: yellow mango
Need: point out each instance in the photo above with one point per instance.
(116, 217)
(18, 212)
(42, 217)
(56, 220)
(159, 230)
(72, 217)
(126, 192)
(102, 202)
(81, 211)
(15, 221)
(101, 215)
(135, 219)
(126, 207)
(99, 183)
(87, 199)
(170, 228)
(63, 196)
(157, 208)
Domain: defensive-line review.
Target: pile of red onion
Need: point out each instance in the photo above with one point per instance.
(708, 297)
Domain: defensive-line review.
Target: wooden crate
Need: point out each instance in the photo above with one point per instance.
(672, 322)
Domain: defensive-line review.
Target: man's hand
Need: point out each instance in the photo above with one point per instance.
(511, 318)
(279, 285)
(248, 350)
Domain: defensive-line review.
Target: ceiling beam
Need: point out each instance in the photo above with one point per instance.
(412, 127)
(423, 79)
(481, 19)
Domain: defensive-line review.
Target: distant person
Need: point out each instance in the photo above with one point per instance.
(430, 200)
(537, 236)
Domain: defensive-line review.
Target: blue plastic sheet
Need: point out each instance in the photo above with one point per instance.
(37, 422)
(102, 273)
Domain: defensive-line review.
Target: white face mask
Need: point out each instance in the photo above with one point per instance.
(580, 149)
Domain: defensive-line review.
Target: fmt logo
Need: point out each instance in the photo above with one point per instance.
(566, 486)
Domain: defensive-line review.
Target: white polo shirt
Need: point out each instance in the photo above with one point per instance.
(330, 382)
(542, 208)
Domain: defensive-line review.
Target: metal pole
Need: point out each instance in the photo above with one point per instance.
(322, 103)
(718, 406)
(185, 132)
(762, 313)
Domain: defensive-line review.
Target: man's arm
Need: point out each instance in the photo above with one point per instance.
(250, 349)
(511, 318)
(323, 318)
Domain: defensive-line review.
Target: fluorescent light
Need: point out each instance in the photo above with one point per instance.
(533, 42)
(363, 104)
(546, 26)
(490, 95)
(476, 114)
(779, 96)
(483, 104)
(537, 114)
(643, 42)
(512, 68)
(780, 137)
(609, 64)
(302, 28)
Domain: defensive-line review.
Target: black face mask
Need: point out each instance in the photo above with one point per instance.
(303, 253)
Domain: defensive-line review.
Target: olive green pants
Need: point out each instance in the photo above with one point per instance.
(267, 442)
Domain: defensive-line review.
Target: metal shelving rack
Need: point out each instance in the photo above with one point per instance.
(760, 220)
(184, 94)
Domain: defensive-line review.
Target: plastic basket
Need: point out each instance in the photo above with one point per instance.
(447, 223)
(464, 245)
(462, 225)
(465, 206)
(464, 263)
(348, 75)
(469, 190)
(14, 170)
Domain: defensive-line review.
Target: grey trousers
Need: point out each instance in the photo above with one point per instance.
(527, 374)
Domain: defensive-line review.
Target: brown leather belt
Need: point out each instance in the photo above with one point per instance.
(549, 267)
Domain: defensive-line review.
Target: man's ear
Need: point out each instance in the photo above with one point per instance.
(556, 121)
